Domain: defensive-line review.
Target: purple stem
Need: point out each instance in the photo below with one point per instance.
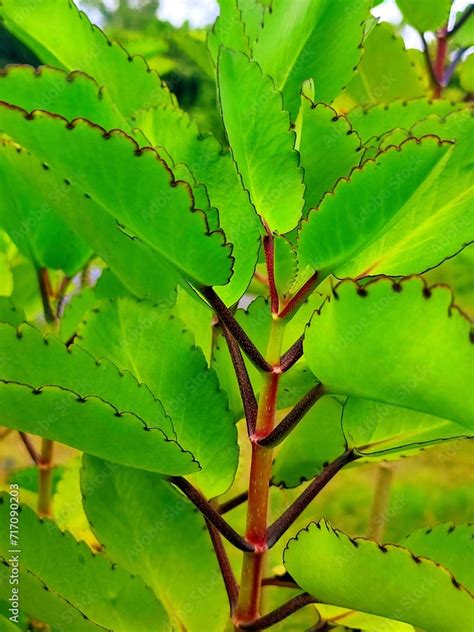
(293, 418)
(211, 514)
(245, 386)
(292, 356)
(300, 296)
(284, 522)
(228, 576)
(279, 614)
(30, 448)
(233, 502)
(227, 319)
(464, 17)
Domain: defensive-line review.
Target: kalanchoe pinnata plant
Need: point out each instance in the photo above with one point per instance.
(347, 178)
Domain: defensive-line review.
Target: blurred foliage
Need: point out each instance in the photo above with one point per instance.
(179, 55)
(123, 14)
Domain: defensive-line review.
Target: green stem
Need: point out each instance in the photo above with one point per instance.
(378, 518)
(260, 474)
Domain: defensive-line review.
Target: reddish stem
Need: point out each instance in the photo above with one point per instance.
(260, 474)
(300, 296)
(45, 466)
(440, 61)
(269, 249)
(261, 466)
(61, 295)
(30, 448)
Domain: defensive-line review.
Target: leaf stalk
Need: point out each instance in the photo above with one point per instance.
(227, 319)
(210, 513)
(292, 419)
(243, 380)
(284, 522)
(279, 614)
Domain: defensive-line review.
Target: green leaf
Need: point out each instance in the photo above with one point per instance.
(72, 95)
(298, 39)
(144, 272)
(157, 348)
(381, 431)
(464, 36)
(109, 286)
(197, 317)
(324, 133)
(25, 293)
(6, 624)
(446, 544)
(317, 440)
(159, 535)
(252, 12)
(67, 376)
(361, 620)
(74, 369)
(48, 412)
(375, 431)
(293, 386)
(466, 74)
(6, 275)
(37, 230)
(228, 30)
(379, 119)
(107, 595)
(425, 17)
(385, 72)
(62, 36)
(348, 572)
(78, 304)
(258, 130)
(399, 205)
(457, 273)
(9, 313)
(366, 340)
(67, 506)
(173, 130)
(44, 604)
(135, 187)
